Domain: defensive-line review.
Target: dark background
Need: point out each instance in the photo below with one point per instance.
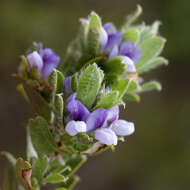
(157, 156)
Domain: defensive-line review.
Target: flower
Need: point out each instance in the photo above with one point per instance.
(111, 42)
(103, 123)
(75, 127)
(122, 127)
(129, 50)
(77, 111)
(35, 60)
(106, 136)
(45, 60)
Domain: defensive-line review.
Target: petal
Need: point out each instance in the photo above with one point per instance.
(130, 64)
(114, 40)
(71, 97)
(113, 114)
(50, 60)
(39, 46)
(77, 111)
(109, 28)
(96, 119)
(35, 60)
(129, 49)
(123, 128)
(114, 52)
(103, 38)
(75, 127)
(105, 136)
(67, 85)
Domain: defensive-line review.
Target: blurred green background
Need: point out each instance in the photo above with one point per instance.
(157, 156)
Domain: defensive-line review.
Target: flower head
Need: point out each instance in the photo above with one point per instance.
(103, 123)
(45, 60)
(111, 42)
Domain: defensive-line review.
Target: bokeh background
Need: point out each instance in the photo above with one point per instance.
(157, 156)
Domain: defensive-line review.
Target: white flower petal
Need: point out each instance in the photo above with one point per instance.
(105, 136)
(75, 127)
(35, 60)
(122, 127)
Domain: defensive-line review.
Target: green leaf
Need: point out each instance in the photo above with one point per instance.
(132, 86)
(114, 66)
(93, 38)
(109, 100)
(74, 82)
(133, 17)
(41, 137)
(10, 182)
(75, 162)
(56, 80)
(131, 98)
(23, 67)
(131, 35)
(113, 69)
(9, 157)
(147, 32)
(61, 169)
(60, 79)
(54, 178)
(125, 85)
(20, 88)
(152, 85)
(58, 110)
(37, 102)
(89, 85)
(84, 25)
(69, 184)
(150, 49)
(40, 167)
(23, 173)
(153, 63)
(30, 151)
(71, 59)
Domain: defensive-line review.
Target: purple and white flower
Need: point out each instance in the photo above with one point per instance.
(45, 60)
(111, 42)
(103, 123)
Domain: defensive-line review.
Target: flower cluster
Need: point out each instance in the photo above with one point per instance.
(77, 103)
(45, 60)
(103, 122)
(111, 42)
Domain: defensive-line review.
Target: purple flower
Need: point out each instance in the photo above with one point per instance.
(35, 60)
(77, 111)
(75, 127)
(122, 127)
(114, 40)
(67, 85)
(109, 28)
(105, 136)
(48, 62)
(101, 118)
(129, 49)
(96, 119)
(111, 42)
